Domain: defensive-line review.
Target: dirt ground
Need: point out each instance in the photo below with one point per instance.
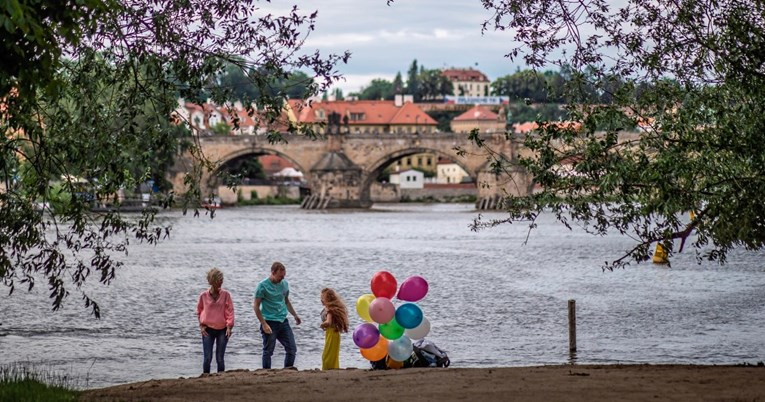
(545, 383)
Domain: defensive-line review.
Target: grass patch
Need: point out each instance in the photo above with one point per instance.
(27, 383)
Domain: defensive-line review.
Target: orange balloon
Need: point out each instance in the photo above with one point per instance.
(393, 364)
(377, 352)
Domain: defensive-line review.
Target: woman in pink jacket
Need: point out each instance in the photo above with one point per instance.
(215, 310)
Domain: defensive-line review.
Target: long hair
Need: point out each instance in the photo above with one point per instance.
(336, 308)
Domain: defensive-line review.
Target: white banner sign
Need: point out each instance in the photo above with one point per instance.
(478, 100)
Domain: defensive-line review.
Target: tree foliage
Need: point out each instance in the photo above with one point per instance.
(412, 81)
(433, 84)
(87, 91)
(690, 75)
(237, 85)
(378, 89)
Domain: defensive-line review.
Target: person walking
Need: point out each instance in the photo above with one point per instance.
(272, 302)
(215, 311)
(334, 319)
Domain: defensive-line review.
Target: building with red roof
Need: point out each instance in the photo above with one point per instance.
(480, 117)
(362, 116)
(468, 81)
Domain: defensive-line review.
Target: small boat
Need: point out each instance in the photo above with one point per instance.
(212, 203)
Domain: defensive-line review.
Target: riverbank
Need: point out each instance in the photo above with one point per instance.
(553, 383)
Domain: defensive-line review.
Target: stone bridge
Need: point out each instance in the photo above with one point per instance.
(341, 168)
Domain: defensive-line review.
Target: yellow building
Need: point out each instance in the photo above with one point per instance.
(479, 117)
(468, 82)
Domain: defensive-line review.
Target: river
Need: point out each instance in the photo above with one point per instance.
(493, 300)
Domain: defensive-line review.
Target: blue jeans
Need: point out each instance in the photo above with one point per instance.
(282, 332)
(213, 336)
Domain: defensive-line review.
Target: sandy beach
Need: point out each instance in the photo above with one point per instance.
(545, 383)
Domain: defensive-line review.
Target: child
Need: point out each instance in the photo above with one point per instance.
(334, 320)
(215, 310)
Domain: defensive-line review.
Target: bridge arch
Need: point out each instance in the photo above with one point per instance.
(341, 168)
(376, 167)
(262, 151)
(254, 151)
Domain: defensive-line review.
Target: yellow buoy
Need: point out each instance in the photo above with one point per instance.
(660, 256)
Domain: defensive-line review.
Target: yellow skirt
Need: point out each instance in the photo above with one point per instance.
(330, 358)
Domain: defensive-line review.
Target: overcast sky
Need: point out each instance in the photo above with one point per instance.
(385, 39)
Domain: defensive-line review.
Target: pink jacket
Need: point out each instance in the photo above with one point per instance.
(216, 314)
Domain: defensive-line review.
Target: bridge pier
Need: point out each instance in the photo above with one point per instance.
(493, 188)
(339, 182)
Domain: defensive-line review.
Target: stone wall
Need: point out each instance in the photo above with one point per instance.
(384, 192)
(445, 193)
(229, 197)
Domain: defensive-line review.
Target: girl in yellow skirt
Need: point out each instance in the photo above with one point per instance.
(334, 321)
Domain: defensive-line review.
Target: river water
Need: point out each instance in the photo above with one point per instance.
(493, 300)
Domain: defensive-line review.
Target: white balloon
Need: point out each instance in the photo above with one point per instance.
(400, 349)
(419, 331)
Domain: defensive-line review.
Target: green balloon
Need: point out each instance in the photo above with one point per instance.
(391, 330)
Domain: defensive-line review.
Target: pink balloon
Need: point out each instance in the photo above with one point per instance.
(381, 310)
(384, 284)
(413, 289)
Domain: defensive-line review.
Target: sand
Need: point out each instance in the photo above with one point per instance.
(545, 383)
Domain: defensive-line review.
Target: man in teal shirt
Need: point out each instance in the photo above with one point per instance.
(271, 305)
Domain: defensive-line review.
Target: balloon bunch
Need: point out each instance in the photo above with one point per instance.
(396, 326)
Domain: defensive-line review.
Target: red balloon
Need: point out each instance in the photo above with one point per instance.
(384, 284)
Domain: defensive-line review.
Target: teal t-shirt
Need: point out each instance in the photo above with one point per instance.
(272, 296)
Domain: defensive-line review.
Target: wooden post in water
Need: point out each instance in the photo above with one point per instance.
(572, 325)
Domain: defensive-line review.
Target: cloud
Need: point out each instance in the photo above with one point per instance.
(338, 40)
(383, 40)
(355, 82)
(382, 37)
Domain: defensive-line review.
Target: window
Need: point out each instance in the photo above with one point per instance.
(409, 161)
(429, 161)
(419, 161)
(408, 178)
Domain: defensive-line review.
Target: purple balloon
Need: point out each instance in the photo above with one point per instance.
(413, 289)
(366, 335)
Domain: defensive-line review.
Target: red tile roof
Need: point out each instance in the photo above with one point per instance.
(274, 163)
(477, 113)
(361, 112)
(464, 74)
(530, 126)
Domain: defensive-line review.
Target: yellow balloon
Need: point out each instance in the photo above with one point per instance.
(362, 306)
